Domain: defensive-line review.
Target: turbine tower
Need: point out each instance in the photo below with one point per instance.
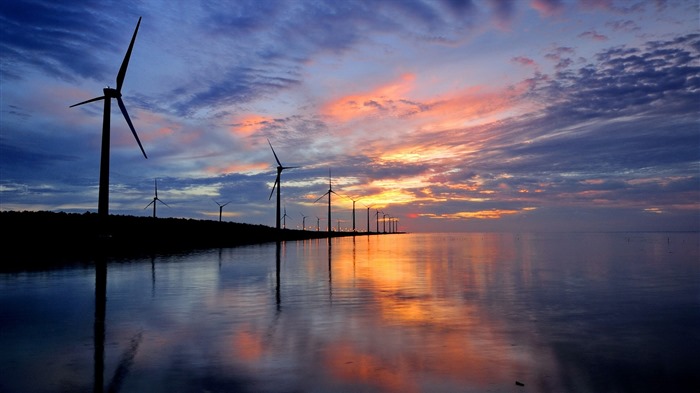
(155, 199)
(329, 192)
(353, 213)
(221, 208)
(303, 221)
(109, 93)
(277, 184)
(285, 218)
(368, 207)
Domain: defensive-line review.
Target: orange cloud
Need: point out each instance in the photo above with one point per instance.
(238, 168)
(479, 214)
(249, 124)
(386, 97)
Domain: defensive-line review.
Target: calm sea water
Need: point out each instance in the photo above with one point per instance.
(393, 313)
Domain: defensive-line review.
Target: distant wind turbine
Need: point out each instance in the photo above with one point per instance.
(353, 213)
(303, 221)
(277, 184)
(285, 218)
(155, 199)
(109, 93)
(221, 208)
(329, 192)
(368, 207)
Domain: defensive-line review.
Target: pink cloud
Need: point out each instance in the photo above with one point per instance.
(547, 8)
(526, 61)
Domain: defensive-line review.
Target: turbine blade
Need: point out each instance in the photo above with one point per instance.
(290, 167)
(125, 63)
(128, 120)
(321, 197)
(275, 154)
(149, 204)
(163, 203)
(90, 100)
(273, 187)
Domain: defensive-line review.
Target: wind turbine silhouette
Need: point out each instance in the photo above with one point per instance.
(303, 221)
(109, 93)
(285, 218)
(368, 207)
(155, 198)
(377, 215)
(221, 208)
(318, 223)
(329, 192)
(277, 184)
(353, 212)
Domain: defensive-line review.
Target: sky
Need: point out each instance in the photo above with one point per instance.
(444, 115)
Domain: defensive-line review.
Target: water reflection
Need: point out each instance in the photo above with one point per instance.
(99, 325)
(389, 313)
(127, 358)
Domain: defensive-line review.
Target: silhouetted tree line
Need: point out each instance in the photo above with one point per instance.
(48, 237)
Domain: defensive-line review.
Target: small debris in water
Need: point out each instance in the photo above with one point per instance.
(518, 383)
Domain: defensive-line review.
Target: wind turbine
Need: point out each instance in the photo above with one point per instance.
(221, 208)
(109, 93)
(353, 213)
(377, 215)
(285, 217)
(329, 192)
(277, 184)
(155, 198)
(318, 223)
(368, 207)
(303, 221)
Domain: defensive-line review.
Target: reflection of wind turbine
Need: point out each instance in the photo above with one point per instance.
(155, 198)
(128, 356)
(329, 192)
(109, 93)
(221, 208)
(277, 184)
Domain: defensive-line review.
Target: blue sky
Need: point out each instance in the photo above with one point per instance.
(448, 115)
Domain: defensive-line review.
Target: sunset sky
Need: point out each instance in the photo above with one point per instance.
(449, 115)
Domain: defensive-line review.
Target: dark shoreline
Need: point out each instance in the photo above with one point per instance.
(42, 239)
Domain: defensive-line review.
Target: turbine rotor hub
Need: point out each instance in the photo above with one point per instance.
(111, 92)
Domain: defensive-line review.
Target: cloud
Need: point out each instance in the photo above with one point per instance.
(526, 61)
(593, 35)
(548, 8)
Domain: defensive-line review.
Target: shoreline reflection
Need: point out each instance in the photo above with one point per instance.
(397, 313)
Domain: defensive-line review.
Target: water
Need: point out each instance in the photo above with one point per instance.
(393, 313)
